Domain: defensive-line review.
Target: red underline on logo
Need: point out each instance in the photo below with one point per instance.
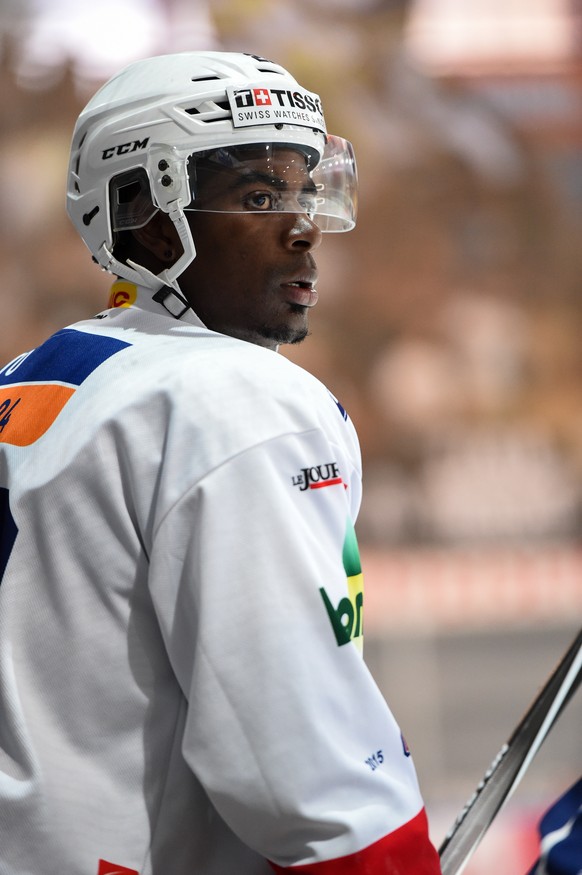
(336, 482)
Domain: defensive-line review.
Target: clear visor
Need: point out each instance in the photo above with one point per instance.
(259, 178)
(278, 178)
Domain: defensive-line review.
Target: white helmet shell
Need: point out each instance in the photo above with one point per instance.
(157, 112)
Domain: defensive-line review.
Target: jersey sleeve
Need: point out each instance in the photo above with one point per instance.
(256, 581)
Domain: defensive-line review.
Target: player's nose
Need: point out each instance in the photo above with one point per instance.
(301, 232)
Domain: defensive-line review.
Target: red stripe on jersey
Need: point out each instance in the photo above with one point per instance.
(107, 868)
(321, 483)
(406, 851)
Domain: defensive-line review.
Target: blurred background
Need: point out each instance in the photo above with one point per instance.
(448, 326)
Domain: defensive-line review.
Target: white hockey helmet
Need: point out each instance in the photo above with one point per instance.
(135, 144)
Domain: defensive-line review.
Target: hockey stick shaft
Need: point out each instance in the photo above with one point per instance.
(512, 761)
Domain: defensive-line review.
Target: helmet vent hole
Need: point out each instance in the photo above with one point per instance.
(209, 108)
(204, 78)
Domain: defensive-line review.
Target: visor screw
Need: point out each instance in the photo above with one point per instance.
(166, 180)
(163, 164)
(279, 127)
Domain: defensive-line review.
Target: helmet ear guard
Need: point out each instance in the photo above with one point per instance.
(135, 196)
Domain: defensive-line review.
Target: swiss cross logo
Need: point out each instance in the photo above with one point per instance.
(262, 97)
(106, 868)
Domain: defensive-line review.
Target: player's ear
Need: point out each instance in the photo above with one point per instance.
(160, 238)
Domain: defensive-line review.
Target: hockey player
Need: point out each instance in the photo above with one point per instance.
(181, 684)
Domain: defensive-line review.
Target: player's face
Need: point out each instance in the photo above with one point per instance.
(254, 274)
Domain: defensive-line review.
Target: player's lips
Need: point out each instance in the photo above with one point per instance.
(301, 292)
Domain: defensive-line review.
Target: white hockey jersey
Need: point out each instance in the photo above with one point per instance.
(181, 685)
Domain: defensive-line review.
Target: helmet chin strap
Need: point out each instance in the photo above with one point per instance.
(165, 284)
(170, 295)
(170, 276)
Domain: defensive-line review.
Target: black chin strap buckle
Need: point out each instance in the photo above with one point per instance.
(172, 301)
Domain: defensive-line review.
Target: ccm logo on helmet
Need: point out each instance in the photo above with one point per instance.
(124, 148)
(246, 97)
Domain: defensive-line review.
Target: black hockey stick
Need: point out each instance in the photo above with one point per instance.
(511, 763)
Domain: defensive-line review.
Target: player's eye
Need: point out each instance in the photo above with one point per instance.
(260, 200)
